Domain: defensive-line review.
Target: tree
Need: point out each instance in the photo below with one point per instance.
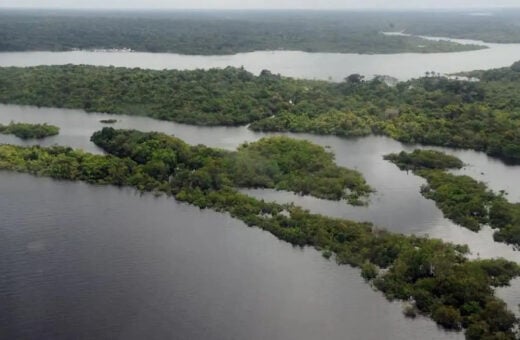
(354, 78)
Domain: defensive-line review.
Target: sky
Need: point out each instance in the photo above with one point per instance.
(260, 4)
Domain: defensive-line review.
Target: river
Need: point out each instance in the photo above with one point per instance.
(87, 262)
(324, 66)
(83, 261)
(132, 233)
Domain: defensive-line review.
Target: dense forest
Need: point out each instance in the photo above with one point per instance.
(433, 110)
(277, 162)
(424, 159)
(436, 277)
(214, 97)
(493, 25)
(207, 33)
(28, 131)
(462, 199)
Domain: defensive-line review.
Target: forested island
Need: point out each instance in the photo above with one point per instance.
(462, 199)
(424, 159)
(208, 33)
(108, 121)
(278, 162)
(493, 25)
(435, 276)
(29, 131)
(433, 110)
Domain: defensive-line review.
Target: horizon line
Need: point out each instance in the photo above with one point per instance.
(372, 9)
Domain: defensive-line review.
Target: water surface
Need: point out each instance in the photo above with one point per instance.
(79, 261)
(83, 261)
(324, 66)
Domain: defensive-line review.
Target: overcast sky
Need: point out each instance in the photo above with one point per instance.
(266, 4)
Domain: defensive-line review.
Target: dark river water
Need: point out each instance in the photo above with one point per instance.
(82, 261)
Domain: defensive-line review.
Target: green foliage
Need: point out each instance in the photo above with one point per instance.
(461, 198)
(437, 276)
(28, 131)
(410, 311)
(326, 254)
(226, 97)
(66, 163)
(447, 317)
(299, 166)
(424, 159)
(484, 116)
(369, 271)
(278, 162)
(339, 123)
(208, 34)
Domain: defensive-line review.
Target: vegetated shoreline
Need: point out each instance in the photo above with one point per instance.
(435, 276)
(482, 116)
(462, 48)
(462, 199)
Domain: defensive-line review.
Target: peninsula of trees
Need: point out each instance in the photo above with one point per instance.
(278, 162)
(484, 116)
(437, 277)
(29, 131)
(462, 199)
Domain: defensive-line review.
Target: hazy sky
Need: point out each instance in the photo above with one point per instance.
(250, 4)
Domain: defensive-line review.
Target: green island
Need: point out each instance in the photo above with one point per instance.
(435, 276)
(207, 33)
(29, 131)
(483, 116)
(278, 162)
(108, 121)
(424, 159)
(462, 199)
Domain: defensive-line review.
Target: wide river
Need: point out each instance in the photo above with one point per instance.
(86, 261)
(324, 66)
(83, 261)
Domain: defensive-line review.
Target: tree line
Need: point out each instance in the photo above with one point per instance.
(206, 33)
(483, 116)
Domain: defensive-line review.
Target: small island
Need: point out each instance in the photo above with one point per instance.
(108, 121)
(29, 131)
(424, 159)
(279, 163)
